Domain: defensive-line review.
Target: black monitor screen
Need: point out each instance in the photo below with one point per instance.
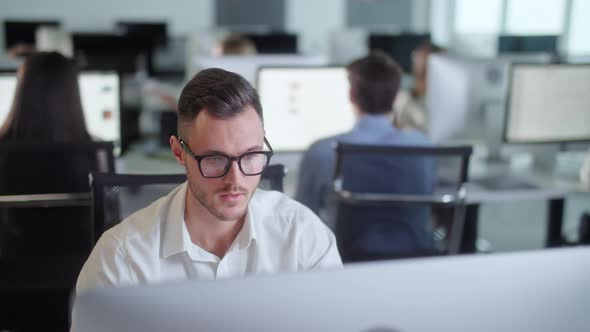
(400, 47)
(527, 44)
(274, 43)
(149, 34)
(16, 32)
(97, 51)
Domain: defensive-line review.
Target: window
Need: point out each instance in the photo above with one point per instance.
(481, 16)
(579, 43)
(541, 17)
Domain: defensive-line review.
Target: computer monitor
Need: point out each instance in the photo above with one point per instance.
(527, 44)
(8, 83)
(274, 43)
(148, 34)
(145, 37)
(462, 95)
(466, 97)
(247, 65)
(106, 51)
(548, 103)
(545, 290)
(16, 32)
(100, 94)
(400, 47)
(302, 105)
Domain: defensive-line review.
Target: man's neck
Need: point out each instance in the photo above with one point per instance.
(209, 232)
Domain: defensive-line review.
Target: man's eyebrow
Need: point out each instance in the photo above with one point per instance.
(217, 152)
(255, 148)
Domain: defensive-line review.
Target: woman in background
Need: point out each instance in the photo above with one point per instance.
(47, 105)
(46, 109)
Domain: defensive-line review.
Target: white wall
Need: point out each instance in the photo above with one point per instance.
(314, 20)
(421, 15)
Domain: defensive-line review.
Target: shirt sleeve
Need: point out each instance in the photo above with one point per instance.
(317, 244)
(107, 266)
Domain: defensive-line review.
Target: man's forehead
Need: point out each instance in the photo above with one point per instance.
(205, 120)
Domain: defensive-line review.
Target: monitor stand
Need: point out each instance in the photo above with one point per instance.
(544, 157)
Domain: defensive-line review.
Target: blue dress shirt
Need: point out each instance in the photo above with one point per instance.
(316, 172)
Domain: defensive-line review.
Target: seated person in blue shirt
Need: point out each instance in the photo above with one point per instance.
(374, 83)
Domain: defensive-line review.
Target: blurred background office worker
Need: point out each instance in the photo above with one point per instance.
(46, 109)
(409, 111)
(374, 83)
(47, 105)
(235, 44)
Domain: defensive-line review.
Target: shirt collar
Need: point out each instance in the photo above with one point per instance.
(248, 233)
(374, 122)
(176, 237)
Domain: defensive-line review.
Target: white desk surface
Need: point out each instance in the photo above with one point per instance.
(548, 185)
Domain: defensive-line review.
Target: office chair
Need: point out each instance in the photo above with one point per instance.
(50, 223)
(384, 196)
(116, 196)
(45, 237)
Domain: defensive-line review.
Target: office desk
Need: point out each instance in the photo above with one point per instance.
(531, 184)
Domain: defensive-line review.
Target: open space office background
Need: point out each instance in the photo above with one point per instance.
(463, 26)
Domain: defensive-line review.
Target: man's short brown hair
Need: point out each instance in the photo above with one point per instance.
(222, 93)
(375, 81)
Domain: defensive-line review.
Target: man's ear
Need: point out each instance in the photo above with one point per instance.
(176, 149)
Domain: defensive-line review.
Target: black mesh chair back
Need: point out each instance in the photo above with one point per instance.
(116, 196)
(45, 228)
(385, 197)
(40, 228)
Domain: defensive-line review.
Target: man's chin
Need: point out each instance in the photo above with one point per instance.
(231, 214)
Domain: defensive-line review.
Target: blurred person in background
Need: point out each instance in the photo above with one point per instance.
(410, 106)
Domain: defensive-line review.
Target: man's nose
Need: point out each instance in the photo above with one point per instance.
(233, 173)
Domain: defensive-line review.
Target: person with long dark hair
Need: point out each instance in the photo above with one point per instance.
(47, 105)
(46, 108)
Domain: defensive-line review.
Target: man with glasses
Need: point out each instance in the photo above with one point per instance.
(217, 224)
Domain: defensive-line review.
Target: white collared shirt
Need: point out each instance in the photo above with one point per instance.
(153, 245)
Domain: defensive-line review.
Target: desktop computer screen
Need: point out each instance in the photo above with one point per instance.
(400, 47)
(466, 96)
(302, 105)
(545, 290)
(100, 94)
(274, 43)
(108, 51)
(463, 94)
(527, 44)
(145, 38)
(23, 31)
(7, 87)
(147, 34)
(548, 103)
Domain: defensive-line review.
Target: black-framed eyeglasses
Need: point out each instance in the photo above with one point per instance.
(216, 165)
